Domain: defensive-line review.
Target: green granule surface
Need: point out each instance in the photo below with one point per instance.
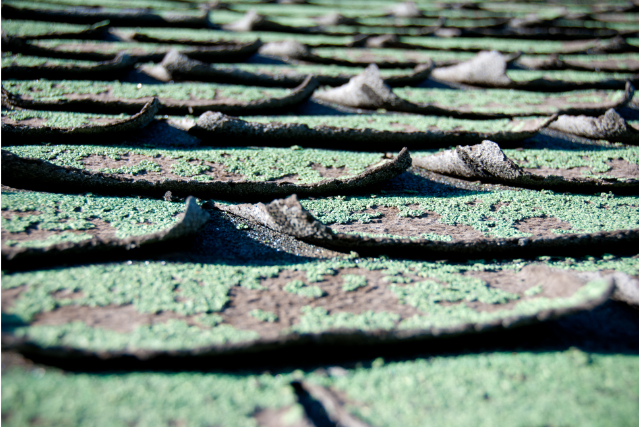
(255, 164)
(590, 58)
(390, 54)
(425, 298)
(265, 316)
(362, 8)
(397, 22)
(183, 168)
(569, 387)
(503, 45)
(108, 8)
(211, 35)
(298, 287)
(598, 24)
(222, 17)
(595, 158)
(316, 70)
(172, 335)
(546, 13)
(145, 166)
(60, 119)
(105, 47)
(454, 22)
(14, 27)
(317, 319)
(430, 236)
(142, 399)
(566, 75)
(152, 287)
(394, 122)
(57, 89)
(384, 235)
(128, 216)
(506, 101)
(35, 61)
(351, 282)
(51, 240)
(585, 213)
(123, 4)
(354, 29)
(308, 10)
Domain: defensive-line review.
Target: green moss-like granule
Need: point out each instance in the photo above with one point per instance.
(57, 89)
(127, 215)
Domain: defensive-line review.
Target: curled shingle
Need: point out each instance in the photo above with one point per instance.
(609, 126)
(487, 162)
(189, 223)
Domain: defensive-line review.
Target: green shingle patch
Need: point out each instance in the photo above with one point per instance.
(172, 335)
(326, 70)
(21, 67)
(400, 122)
(493, 385)
(453, 390)
(29, 126)
(57, 89)
(298, 287)
(110, 6)
(478, 389)
(207, 37)
(306, 165)
(511, 102)
(364, 132)
(353, 282)
(202, 289)
(30, 61)
(221, 17)
(585, 213)
(89, 50)
(59, 118)
(48, 241)
(115, 17)
(112, 48)
(198, 294)
(187, 98)
(428, 297)
(57, 212)
(317, 319)
(265, 316)
(144, 167)
(117, 4)
(40, 174)
(442, 317)
(567, 75)
(35, 29)
(502, 45)
(144, 398)
(390, 56)
(597, 159)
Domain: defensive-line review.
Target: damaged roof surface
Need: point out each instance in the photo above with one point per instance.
(319, 213)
